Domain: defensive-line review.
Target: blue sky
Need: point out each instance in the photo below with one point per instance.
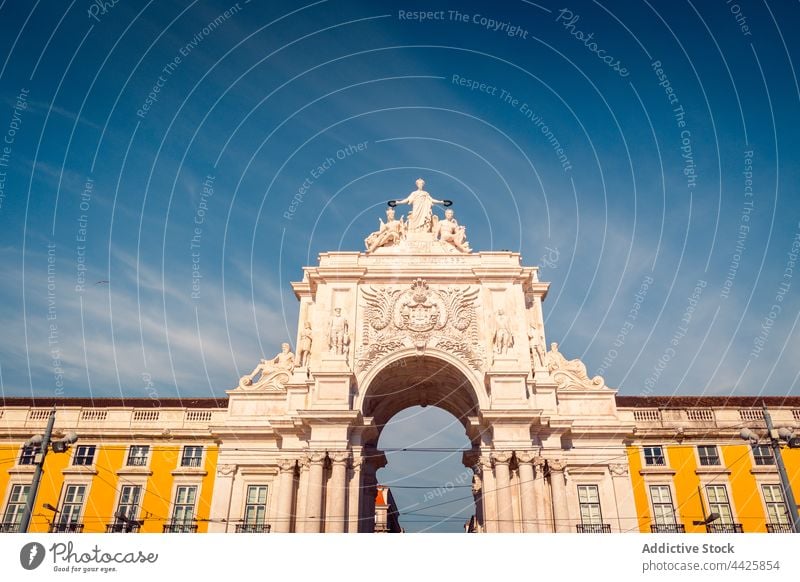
(643, 154)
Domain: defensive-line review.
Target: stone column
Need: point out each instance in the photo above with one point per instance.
(220, 514)
(489, 494)
(368, 496)
(354, 499)
(302, 494)
(283, 521)
(530, 519)
(559, 489)
(623, 498)
(544, 509)
(337, 492)
(505, 513)
(316, 473)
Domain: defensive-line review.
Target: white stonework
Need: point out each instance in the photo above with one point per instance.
(418, 319)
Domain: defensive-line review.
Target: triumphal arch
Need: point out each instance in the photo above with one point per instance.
(419, 318)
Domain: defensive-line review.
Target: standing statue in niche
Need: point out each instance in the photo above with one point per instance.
(390, 233)
(305, 345)
(536, 343)
(503, 338)
(449, 231)
(338, 334)
(420, 219)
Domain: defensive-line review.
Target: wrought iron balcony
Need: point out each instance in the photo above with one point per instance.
(253, 528)
(593, 528)
(121, 527)
(779, 528)
(724, 528)
(66, 527)
(180, 527)
(9, 527)
(667, 528)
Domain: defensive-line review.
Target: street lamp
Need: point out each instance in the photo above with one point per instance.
(44, 444)
(775, 437)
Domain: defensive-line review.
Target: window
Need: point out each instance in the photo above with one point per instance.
(127, 508)
(28, 455)
(777, 512)
(718, 503)
(654, 456)
(84, 455)
(137, 455)
(70, 514)
(709, 455)
(589, 499)
(255, 510)
(15, 508)
(663, 511)
(762, 455)
(183, 510)
(192, 456)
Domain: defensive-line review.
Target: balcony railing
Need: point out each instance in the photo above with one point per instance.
(724, 528)
(66, 528)
(122, 528)
(180, 527)
(253, 528)
(9, 527)
(779, 528)
(667, 528)
(593, 528)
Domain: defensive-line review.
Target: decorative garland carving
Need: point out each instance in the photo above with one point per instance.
(421, 317)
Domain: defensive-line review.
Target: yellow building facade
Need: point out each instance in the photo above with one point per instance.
(139, 468)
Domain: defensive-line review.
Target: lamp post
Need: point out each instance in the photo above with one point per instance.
(774, 438)
(43, 441)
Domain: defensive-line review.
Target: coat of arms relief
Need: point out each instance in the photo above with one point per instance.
(420, 317)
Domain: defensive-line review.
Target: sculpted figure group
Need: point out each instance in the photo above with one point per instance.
(420, 219)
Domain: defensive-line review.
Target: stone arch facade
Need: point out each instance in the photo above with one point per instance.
(416, 320)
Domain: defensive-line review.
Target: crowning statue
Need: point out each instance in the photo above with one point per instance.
(420, 219)
(274, 373)
(422, 229)
(389, 233)
(569, 373)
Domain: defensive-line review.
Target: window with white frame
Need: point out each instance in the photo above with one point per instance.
(183, 510)
(137, 455)
(27, 455)
(654, 456)
(589, 500)
(84, 455)
(708, 455)
(71, 508)
(718, 503)
(15, 508)
(777, 512)
(128, 506)
(192, 456)
(663, 510)
(762, 455)
(255, 510)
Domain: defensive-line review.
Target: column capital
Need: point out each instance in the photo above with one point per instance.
(484, 462)
(339, 457)
(557, 465)
(502, 457)
(226, 470)
(618, 469)
(286, 465)
(525, 456)
(539, 462)
(315, 457)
